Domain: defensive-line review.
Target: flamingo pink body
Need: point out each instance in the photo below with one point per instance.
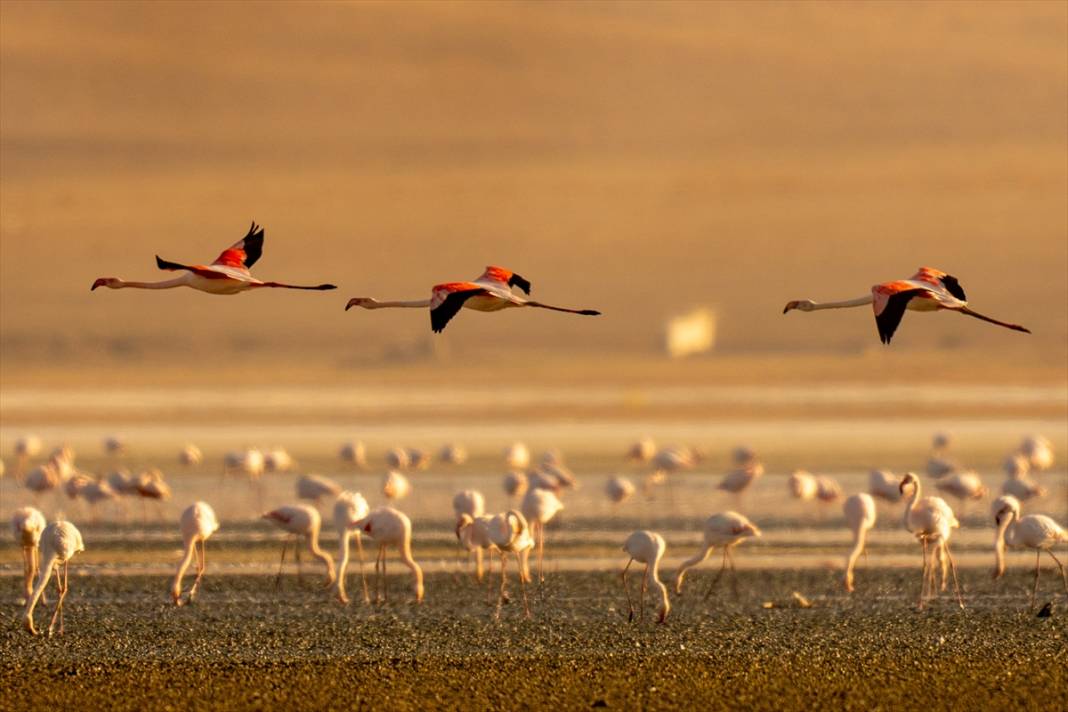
(303, 521)
(1034, 531)
(932, 522)
(27, 524)
(391, 527)
(349, 510)
(647, 548)
(726, 530)
(60, 541)
(859, 510)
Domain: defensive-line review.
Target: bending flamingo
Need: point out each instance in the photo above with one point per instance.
(859, 510)
(510, 533)
(301, 520)
(197, 523)
(228, 274)
(927, 290)
(349, 509)
(28, 524)
(490, 292)
(59, 543)
(646, 548)
(391, 527)
(1035, 531)
(726, 529)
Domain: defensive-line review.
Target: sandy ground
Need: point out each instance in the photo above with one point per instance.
(246, 645)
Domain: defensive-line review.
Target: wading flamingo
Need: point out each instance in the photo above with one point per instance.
(349, 509)
(197, 523)
(932, 521)
(315, 487)
(26, 446)
(859, 510)
(726, 530)
(515, 485)
(473, 534)
(453, 454)
(354, 453)
(619, 489)
(301, 520)
(490, 292)
(642, 450)
(395, 486)
(927, 290)
(473, 504)
(228, 274)
(60, 541)
(646, 548)
(1035, 531)
(390, 527)
(510, 533)
(278, 460)
(1038, 451)
(539, 507)
(963, 486)
(884, 485)
(517, 456)
(28, 524)
(803, 485)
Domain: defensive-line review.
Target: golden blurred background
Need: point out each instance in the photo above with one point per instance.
(643, 159)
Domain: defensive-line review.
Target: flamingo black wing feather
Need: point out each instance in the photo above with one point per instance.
(890, 317)
(444, 312)
(253, 245)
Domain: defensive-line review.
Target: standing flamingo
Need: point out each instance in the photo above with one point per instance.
(473, 534)
(642, 450)
(197, 523)
(515, 485)
(349, 509)
(619, 489)
(932, 521)
(859, 510)
(884, 485)
(727, 530)
(517, 456)
(300, 520)
(927, 290)
(26, 446)
(1035, 531)
(490, 292)
(453, 454)
(390, 527)
(963, 486)
(395, 486)
(354, 453)
(228, 274)
(539, 507)
(803, 485)
(510, 533)
(60, 541)
(1039, 452)
(646, 548)
(190, 455)
(28, 524)
(315, 487)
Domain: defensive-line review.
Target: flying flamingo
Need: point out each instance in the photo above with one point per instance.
(301, 520)
(1035, 531)
(228, 274)
(490, 292)
(197, 523)
(932, 521)
(539, 507)
(927, 290)
(349, 509)
(859, 510)
(510, 533)
(28, 524)
(727, 530)
(60, 541)
(390, 527)
(646, 548)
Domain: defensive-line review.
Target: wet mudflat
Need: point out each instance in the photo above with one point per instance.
(244, 644)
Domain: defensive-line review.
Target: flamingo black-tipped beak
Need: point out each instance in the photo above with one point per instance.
(351, 303)
(98, 283)
(590, 312)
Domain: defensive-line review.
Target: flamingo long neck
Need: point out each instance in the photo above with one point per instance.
(407, 559)
(911, 505)
(343, 552)
(858, 302)
(190, 546)
(690, 563)
(517, 527)
(999, 542)
(413, 304)
(42, 580)
(165, 284)
(652, 575)
(313, 546)
(858, 546)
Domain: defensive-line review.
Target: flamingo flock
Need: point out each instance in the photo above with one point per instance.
(519, 532)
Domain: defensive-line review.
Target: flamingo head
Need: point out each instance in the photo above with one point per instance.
(365, 302)
(1009, 505)
(462, 523)
(109, 282)
(802, 304)
(908, 480)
